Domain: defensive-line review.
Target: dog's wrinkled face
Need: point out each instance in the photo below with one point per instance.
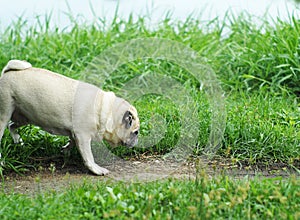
(126, 125)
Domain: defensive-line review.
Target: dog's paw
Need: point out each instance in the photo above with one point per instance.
(66, 149)
(20, 142)
(98, 170)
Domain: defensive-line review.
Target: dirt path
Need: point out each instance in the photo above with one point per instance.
(56, 178)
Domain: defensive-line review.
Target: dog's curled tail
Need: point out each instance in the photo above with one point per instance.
(15, 65)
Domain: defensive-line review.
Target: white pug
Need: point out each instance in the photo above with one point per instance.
(64, 106)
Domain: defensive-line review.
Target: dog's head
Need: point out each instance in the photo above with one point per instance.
(123, 128)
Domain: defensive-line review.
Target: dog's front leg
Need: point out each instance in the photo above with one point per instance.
(84, 145)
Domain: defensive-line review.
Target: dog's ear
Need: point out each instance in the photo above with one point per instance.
(127, 119)
(110, 125)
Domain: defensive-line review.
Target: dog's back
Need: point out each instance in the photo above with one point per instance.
(43, 97)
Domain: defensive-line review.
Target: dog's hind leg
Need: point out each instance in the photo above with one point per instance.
(4, 119)
(17, 120)
(69, 145)
(12, 127)
(6, 110)
(2, 128)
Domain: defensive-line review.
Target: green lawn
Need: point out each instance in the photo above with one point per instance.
(204, 198)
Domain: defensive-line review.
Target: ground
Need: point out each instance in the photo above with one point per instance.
(56, 176)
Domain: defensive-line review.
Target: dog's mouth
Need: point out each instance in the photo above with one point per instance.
(131, 143)
(128, 142)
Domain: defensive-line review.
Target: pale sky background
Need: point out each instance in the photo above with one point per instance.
(209, 9)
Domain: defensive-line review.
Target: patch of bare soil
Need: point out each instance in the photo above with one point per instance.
(55, 176)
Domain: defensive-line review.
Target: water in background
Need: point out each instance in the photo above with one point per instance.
(155, 10)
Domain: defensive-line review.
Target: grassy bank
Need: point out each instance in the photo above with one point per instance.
(258, 66)
(204, 198)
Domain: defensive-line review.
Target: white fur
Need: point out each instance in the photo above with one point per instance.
(63, 106)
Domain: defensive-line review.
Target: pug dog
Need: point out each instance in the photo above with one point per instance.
(64, 106)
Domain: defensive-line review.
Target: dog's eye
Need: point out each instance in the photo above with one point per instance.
(130, 120)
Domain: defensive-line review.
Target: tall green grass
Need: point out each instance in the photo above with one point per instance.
(245, 55)
(258, 65)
